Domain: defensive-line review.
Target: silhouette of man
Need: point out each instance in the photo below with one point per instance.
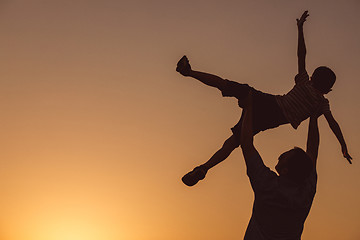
(282, 201)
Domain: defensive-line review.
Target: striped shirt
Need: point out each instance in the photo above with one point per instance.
(302, 100)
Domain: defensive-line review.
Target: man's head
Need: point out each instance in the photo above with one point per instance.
(323, 79)
(294, 164)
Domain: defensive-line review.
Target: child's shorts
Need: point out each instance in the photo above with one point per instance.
(266, 112)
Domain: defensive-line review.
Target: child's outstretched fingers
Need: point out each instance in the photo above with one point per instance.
(347, 156)
(302, 19)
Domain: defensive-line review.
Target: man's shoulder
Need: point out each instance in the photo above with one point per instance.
(260, 175)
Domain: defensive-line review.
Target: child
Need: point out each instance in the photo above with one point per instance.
(271, 111)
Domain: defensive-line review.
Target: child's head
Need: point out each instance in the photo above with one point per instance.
(323, 79)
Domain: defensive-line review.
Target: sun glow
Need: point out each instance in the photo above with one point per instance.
(62, 226)
(72, 229)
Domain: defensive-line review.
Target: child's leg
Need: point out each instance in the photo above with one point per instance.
(208, 79)
(199, 172)
(229, 145)
(184, 68)
(227, 88)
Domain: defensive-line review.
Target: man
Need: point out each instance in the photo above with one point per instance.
(282, 201)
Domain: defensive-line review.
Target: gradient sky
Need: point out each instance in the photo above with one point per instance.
(97, 128)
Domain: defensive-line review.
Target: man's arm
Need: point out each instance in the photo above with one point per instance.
(247, 138)
(259, 175)
(337, 131)
(313, 140)
(301, 51)
(252, 158)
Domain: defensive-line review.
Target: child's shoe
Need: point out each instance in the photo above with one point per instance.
(183, 66)
(191, 178)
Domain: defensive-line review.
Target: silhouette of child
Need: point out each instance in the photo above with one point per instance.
(271, 111)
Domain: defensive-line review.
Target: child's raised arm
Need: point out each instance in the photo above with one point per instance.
(301, 51)
(337, 131)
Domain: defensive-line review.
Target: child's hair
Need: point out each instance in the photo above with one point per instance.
(323, 79)
(300, 165)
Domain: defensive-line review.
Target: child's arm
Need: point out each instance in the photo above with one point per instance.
(301, 51)
(337, 131)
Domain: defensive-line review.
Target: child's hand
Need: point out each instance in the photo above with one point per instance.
(300, 22)
(346, 154)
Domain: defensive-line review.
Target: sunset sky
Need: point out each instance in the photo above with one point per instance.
(97, 128)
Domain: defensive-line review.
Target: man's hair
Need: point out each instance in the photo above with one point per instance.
(323, 79)
(299, 165)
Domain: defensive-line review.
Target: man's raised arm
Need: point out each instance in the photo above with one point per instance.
(252, 158)
(247, 138)
(301, 51)
(255, 167)
(313, 139)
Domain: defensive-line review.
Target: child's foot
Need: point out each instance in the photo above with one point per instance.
(191, 178)
(183, 66)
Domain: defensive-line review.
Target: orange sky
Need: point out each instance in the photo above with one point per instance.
(97, 128)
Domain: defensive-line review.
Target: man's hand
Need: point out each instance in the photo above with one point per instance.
(248, 103)
(246, 138)
(300, 22)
